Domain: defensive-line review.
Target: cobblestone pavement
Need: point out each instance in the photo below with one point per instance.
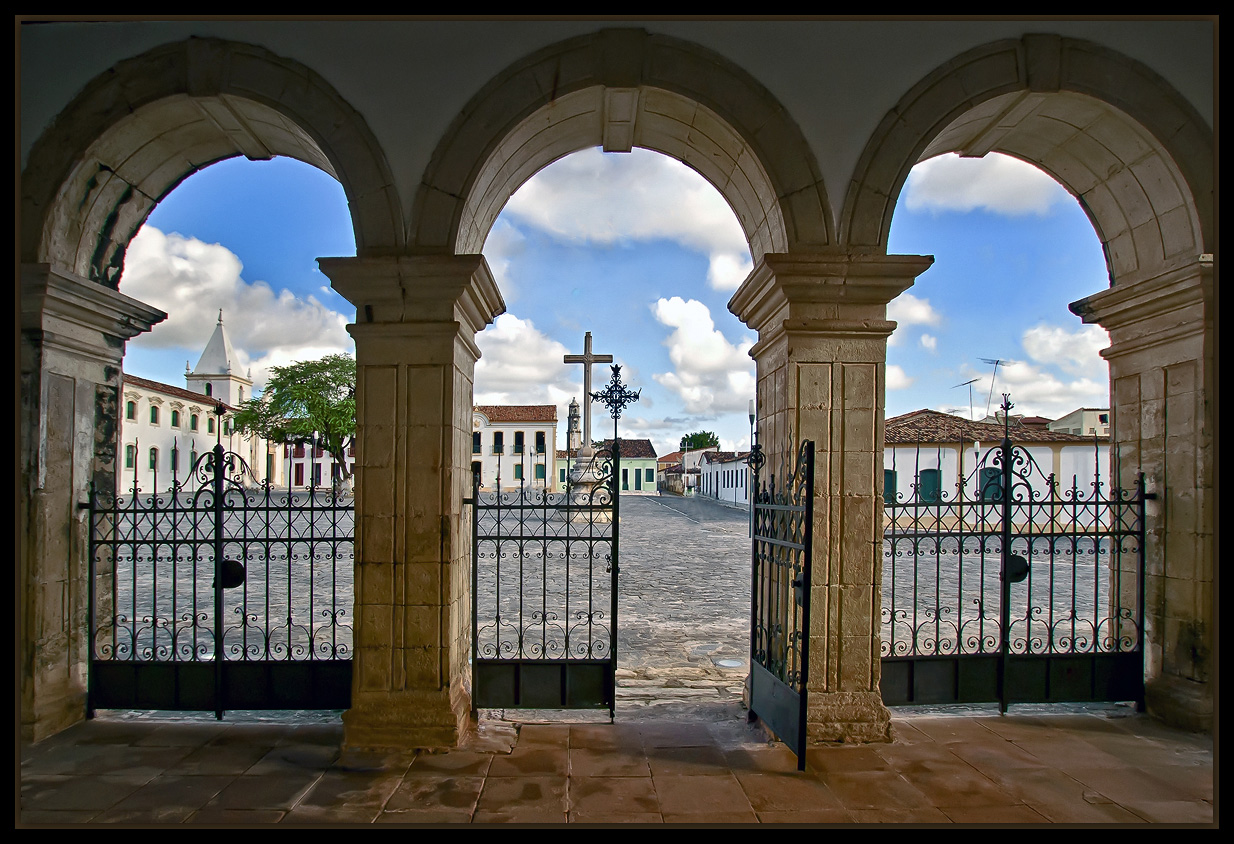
(684, 606)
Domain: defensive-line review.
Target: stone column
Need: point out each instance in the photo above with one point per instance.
(1162, 377)
(416, 321)
(821, 356)
(72, 345)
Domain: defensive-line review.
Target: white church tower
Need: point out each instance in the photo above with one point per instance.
(217, 374)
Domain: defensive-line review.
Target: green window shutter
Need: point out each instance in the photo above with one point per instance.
(931, 486)
(889, 485)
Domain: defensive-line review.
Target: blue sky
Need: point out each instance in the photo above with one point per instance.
(642, 252)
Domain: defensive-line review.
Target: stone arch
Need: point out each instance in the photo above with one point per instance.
(138, 130)
(1138, 157)
(617, 89)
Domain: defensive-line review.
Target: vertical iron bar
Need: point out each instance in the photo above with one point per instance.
(613, 543)
(1005, 583)
(218, 580)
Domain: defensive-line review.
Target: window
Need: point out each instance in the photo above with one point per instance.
(498, 442)
(931, 486)
(130, 455)
(540, 471)
(316, 474)
(518, 472)
(539, 442)
(175, 419)
(227, 427)
(991, 484)
(475, 466)
(889, 485)
(154, 415)
(475, 442)
(130, 410)
(209, 389)
(175, 458)
(518, 442)
(192, 459)
(299, 474)
(625, 478)
(154, 459)
(563, 475)
(210, 426)
(651, 476)
(193, 422)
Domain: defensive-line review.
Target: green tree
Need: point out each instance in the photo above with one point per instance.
(306, 398)
(699, 439)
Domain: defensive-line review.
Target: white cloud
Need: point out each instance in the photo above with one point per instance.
(908, 310)
(897, 378)
(601, 198)
(929, 342)
(1075, 352)
(522, 365)
(504, 244)
(1035, 390)
(996, 183)
(711, 375)
(191, 280)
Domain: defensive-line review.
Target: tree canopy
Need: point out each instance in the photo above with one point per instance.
(306, 398)
(699, 439)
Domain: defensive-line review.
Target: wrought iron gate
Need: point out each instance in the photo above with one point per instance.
(783, 519)
(214, 595)
(544, 589)
(1010, 588)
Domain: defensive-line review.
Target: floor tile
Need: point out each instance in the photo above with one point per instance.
(596, 762)
(612, 795)
(523, 794)
(434, 794)
(707, 794)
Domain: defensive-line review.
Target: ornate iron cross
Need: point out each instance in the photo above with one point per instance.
(616, 397)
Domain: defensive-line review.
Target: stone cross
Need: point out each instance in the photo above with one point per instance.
(587, 359)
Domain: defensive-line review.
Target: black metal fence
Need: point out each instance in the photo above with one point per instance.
(544, 590)
(1005, 585)
(217, 594)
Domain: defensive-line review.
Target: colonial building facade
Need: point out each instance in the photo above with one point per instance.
(808, 129)
(514, 446)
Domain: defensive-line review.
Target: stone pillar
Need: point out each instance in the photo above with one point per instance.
(1162, 378)
(416, 321)
(821, 356)
(72, 346)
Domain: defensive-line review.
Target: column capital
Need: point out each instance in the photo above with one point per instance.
(1153, 311)
(418, 289)
(838, 290)
(78, 316)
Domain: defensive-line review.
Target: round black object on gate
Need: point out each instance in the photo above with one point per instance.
(233, 574)
(1016, 570)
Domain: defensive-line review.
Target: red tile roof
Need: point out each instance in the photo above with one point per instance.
(642, 449)
(931, 426)
(518, 412)
(178, 392)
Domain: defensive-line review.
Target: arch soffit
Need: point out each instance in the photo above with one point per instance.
(1134, 152)
(142, 127)
(617, 89)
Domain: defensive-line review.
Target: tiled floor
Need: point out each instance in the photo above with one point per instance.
(1076, 767)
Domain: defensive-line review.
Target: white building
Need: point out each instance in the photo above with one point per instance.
(725, 476)
(513, 445)
(930, 457)
(164, 429)
(1086, 421)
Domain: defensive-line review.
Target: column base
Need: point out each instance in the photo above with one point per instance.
(52, 717)
(407, 720)
(847, 718)
(1180, 703)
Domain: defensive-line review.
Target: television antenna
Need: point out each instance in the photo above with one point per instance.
(996, 363)
(969, 384)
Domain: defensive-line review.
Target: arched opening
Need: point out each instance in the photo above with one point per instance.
(1137, 157)
(643, 253)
